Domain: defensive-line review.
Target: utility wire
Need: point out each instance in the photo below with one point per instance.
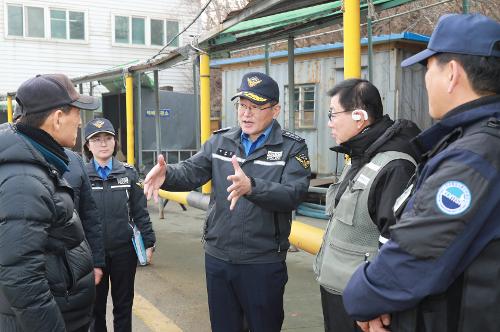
(187, 27)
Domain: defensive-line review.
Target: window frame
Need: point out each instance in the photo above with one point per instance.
(147, 31)
(47, 23)
(301, 101)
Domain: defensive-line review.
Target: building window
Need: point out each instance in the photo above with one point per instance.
(15, 19)
(35, 23)
(157, 32)
(172, 31)
(145, 31)
(76, 25)
(29, 21)
(130, 30)
(58, 24)
(304, 97)
(138, 31)
(121, 29)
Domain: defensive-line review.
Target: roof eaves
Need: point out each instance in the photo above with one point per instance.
(407, 36)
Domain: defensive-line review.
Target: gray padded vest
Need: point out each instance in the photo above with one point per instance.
(351, 237)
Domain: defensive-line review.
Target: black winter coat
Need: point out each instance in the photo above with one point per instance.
(46, 270)
(119, 199)
(85, 206)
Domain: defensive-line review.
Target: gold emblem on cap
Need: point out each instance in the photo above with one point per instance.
(253, 96)
(98, 124)
(253, 81)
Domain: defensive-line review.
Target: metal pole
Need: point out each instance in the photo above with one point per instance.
(129, 96)
(291, 84)
(352, 45)
(9, 108)
(158, 129)
(266, 55)
(370, 49)
(205, 106)
(157, 113)
(465, 6)
(196, 96)
(139, 120)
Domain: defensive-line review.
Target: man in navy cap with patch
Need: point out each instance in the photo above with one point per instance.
(440, 269)
(259, 173)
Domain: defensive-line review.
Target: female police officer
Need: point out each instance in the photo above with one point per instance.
(121, 203)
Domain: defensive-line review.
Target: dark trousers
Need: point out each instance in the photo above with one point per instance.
(334, 315)
(245, 291)
(120, 271)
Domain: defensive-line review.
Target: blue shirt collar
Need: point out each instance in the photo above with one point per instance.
(252, 146)
(106, 169)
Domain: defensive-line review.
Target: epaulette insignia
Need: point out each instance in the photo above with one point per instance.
(303, 159)
(128, 165)
(293, 136)
(223, 130)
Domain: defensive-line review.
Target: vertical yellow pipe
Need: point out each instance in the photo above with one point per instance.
(129, 95)
(352, 43)
(9, 108)
(205, 106)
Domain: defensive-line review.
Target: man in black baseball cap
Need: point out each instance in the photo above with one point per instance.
(439, 271)
(43, 238)
(49, 91)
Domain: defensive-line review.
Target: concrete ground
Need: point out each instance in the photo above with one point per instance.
(171, 293)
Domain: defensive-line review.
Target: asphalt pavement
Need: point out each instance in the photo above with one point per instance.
(171, 294)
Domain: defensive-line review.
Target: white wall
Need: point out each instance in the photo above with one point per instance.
(21, 58)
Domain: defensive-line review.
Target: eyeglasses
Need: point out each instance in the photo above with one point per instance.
(100, 140)
(332, 114)
(244, 108)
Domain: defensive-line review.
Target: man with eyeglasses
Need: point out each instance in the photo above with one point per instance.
(360, 202)
(259, 173)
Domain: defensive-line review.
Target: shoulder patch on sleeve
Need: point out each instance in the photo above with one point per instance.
(303, 159)
(223, 130)
(453, 198)
(293, 136)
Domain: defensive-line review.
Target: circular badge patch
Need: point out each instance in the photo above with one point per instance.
(453, 198)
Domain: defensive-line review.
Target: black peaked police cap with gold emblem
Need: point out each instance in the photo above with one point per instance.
(258, 88)
(98, 125)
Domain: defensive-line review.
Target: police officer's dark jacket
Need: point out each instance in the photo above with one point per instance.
(120, 200)
(46, 270)
(85, 206)
(257, 230)
(445, 246)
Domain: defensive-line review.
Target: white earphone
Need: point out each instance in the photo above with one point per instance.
(356, 117)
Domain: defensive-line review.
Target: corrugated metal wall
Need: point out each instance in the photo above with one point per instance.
(403, 96)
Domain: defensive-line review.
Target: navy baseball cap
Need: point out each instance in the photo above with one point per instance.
(45, 92)
(471, 34)
(259, 88)
(98, 125)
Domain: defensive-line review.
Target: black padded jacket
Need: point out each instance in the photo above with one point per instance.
(46, 270)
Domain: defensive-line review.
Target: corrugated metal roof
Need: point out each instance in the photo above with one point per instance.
(407, 36)
(283, 24)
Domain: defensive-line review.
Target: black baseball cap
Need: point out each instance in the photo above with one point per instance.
(98, 125)
(259, 88)
(471, 34)
(45, 92)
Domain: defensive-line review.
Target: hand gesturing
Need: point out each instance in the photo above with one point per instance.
(241, 184)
